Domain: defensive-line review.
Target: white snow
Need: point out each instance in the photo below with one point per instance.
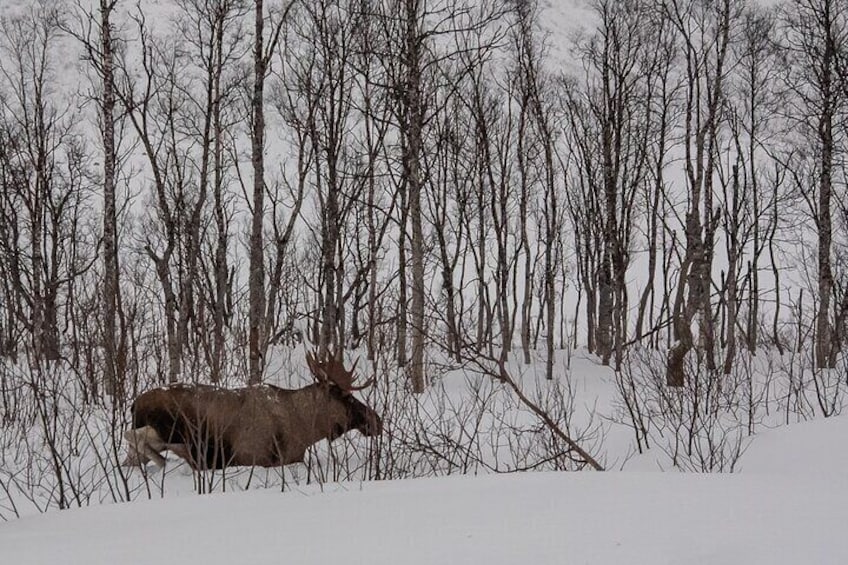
(790, 514)
(808, 448)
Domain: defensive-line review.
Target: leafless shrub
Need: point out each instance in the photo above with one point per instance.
(807, 392)
(700, 426)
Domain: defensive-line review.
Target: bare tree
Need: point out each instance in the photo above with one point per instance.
(537, 99)
(662, 95)
(618, 113)
(815, 39)
(746, 207)
(705, 30)
(528, 151)
(451, 170)
(152, 105)
(493, 140)
(375, 108)
(263, 49)
(214, 30)
(176, 101)
(43, 184)
(115, 347)
(412, 131)
(95, 30)
(414, 64)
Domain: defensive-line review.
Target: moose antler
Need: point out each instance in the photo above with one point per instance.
(332, 371)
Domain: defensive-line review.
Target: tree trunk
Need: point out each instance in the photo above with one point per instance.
(113, 375)
(221, 272)
(523, 206)
(824, 330)
(733, 253)
(412, 173)
(256, 280)
(551, 228)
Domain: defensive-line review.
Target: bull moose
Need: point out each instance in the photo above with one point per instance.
(212, 427)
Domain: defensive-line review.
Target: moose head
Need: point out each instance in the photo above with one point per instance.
(341, 384)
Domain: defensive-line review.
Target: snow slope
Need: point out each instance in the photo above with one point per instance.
(786, 515)
(814, 448)
(529, 518)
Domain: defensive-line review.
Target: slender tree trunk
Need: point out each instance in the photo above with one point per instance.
(256, 280)
(824, 330)
(403, 283)
(733, 253)
(523, 206)
(412, 169)
(754, 270)
(653, 219)
(551, 228)
(481, 265)
(221, 273)
(371, 219)
(163, 272)
(113, 375)
(328, 338)
(603, 328)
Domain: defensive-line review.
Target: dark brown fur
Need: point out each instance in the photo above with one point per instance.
(262, 425)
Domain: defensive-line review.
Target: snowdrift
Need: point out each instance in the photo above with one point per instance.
(791, 514)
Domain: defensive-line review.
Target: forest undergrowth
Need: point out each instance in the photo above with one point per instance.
(58, 449)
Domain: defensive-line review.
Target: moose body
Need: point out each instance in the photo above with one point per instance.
(264, 425)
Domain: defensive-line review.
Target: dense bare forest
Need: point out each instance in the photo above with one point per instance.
(190, 190)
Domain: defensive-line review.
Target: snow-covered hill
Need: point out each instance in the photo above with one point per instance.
(789, 515)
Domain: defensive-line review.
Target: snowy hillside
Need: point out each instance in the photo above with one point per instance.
(791, 515)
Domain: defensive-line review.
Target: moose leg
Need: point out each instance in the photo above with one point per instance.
(144, 446)
(134, 458)
(181, 450)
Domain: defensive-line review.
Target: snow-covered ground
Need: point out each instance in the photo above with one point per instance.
(788, 506)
